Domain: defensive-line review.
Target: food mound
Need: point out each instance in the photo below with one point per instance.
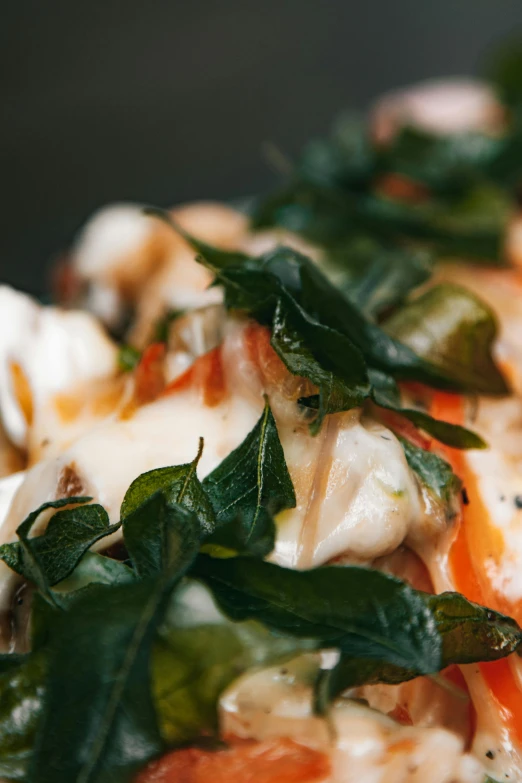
(261, 472)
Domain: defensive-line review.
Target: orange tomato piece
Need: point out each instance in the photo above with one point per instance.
(475, 535)
(206, 375)
(150, 374)
(277, 760)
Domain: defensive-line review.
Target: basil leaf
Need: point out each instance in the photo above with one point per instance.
(385, 393)
(128, 358)
(94, 568)
(345, 159)
(469, 633)
(179, 484)
(373, 276)
(336, 606)
(248, 488)
(433, 471)
(51, 557)
(505, 72)
(199, 652)
(99, 653)
(161, 536)
(340, 373)
(21, 686)
(99, 722)
(291, 279)
(454, 331)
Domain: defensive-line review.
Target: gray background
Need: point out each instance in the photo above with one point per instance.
(162, 101)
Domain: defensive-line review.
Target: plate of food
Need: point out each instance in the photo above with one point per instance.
(261, 471)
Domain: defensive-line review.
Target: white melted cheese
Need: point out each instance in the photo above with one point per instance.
(363, 744)
(357, 496)
(54, 349)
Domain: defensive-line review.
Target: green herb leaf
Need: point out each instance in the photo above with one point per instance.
(336, 606)
(385, 393)
(199, 652)
(94, 568)
(505, 72)
(179, 484)
(340, 373)
(373, 276)
(99, 673)
(51, 557)
(128, 358)
(21, 686)
(454, 331)
(469, 633)
(433, 471)
(161, 536)
(99, 650)
(248, 488)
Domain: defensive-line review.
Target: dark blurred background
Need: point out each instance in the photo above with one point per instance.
(168, 100)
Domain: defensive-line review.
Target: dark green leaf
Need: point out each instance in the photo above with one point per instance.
(433, 471)
(21, 688)
(51, 557)
(340, 372)
(99, 722)
(161, 536)
(469, 633)
(505, 72)
(454, 331)
(367, 613)
(385, 394)
(179, 484)
(95, 569)
(346, 159)
(198, 654)
(248, 488)
(373, 276)
(100, 648)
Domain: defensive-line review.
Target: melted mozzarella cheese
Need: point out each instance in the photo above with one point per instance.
(363, 744)
(44, 350)
(357, 497)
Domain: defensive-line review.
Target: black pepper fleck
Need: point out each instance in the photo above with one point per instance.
(490, 754)
(518, 501)
(464, 495)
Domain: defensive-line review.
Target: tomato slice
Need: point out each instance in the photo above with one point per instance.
(205, 375)
(277, 760)
(150, 374)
